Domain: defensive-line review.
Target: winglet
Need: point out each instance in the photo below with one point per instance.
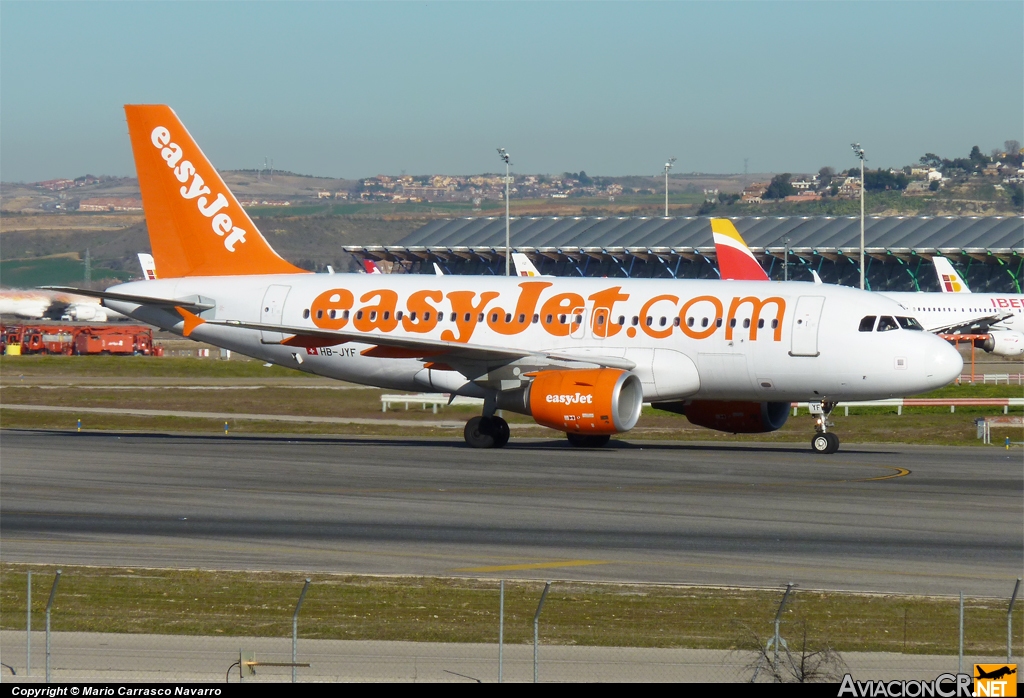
(735, 260)
(192, 320)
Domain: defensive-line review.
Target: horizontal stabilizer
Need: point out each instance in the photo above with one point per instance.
(194, 306)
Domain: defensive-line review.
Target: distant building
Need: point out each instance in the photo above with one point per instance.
(754, 194)
(804, 196)
(110, 204)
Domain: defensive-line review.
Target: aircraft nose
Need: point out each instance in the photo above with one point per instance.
(942, 363)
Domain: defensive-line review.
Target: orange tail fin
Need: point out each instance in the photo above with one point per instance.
(196, 226)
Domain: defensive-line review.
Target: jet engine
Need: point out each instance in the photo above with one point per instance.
(585, 401)
(1003, 343)
(732, 416)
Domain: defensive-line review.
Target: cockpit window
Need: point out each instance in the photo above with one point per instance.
(867, 324)
(886, 323)
(909, 323)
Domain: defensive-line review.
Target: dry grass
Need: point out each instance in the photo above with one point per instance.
(435, 609)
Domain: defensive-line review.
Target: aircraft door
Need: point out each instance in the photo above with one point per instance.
(272, 312)
(806, 319)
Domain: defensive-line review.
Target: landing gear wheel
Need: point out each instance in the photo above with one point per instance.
(833, 442)
(819, 444)
(825, 443)
(478, 433)
(500, 432)
(588, 440)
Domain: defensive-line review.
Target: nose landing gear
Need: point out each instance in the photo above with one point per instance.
(824, 441)
(487, 432)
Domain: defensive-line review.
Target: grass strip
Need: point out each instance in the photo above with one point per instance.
(444, 609)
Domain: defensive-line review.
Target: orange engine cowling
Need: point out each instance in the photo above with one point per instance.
(732, 416)
(585, 401)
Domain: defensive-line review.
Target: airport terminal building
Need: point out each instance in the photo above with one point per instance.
(988, 251)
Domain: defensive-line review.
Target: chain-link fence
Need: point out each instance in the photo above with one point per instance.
(112, 624)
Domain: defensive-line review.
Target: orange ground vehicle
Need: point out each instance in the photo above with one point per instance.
(80, 339)
(132, 339)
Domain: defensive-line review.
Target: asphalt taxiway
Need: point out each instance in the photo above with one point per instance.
(926, 520)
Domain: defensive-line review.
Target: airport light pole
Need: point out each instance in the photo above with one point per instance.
(860, 154)
(503, 154)
(668, 166)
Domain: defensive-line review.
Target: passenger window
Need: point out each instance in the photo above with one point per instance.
(636, 321)
(536, 318)
(689, 322)
(305, 314)
(675, 322)
(373, 316)
(426, 316)
(359, 315)
(704, 322)
(494, 317)
(622, 320)
(732, 322)
(760, 323)
(480, 317)
(663, 321)
(886, 323)
(867, 323)
(561, 319)
(775, 323)
(600, 319)
(579, 319)
(332, 314)
(345, 315)
(412, 316)
(909, 323)
(467, 317)
(387, 314)
(746, 323)
(718, 322)
(398, 315)
(547, 320)
(522, 318)
(319, 314)
(650, 320)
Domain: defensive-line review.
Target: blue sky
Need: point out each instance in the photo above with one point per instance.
(355, 89)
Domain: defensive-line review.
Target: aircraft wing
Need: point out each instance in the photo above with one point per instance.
(978, 324)
(387, 346)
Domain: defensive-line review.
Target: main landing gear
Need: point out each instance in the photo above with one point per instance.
(824, 441)
(487, 432)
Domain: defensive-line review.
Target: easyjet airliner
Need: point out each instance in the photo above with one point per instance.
(578, 355)
(954, 310)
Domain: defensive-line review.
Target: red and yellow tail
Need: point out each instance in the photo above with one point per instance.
(735, 260)
(196, 226)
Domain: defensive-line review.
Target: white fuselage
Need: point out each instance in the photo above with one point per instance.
(687, 339)
(940, 310)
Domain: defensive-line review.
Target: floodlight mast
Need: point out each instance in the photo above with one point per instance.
(860, 154)
(668, 166)
(503, 154)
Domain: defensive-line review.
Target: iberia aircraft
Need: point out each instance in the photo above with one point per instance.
(578, 355)
(953, 311)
